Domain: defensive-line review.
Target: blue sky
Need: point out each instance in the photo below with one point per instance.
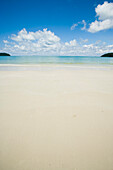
(76, 24)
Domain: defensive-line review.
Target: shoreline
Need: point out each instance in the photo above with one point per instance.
(36, 67)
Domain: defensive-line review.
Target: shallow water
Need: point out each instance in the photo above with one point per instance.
(96, 60)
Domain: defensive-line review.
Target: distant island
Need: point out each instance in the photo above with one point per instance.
(107, 55)
(4, 54)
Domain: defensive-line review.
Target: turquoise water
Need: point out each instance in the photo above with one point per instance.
(91, 60)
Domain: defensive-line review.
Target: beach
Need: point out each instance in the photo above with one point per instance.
(56, 119)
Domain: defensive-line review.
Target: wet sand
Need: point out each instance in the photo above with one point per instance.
(56, 120)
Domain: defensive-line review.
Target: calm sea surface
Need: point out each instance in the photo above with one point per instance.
(56, 60)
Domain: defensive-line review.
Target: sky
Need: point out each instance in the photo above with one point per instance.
(56, 27)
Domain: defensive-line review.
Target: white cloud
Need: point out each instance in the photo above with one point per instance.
(83, 40)
(71, 43)
(79, 23)
(73, 26)
(46, 42)
(84, 23)
(89, 46)
(104, 13)
(110, 46)
(44, 35)
(100, 25)
(5, 41)
(34, 42)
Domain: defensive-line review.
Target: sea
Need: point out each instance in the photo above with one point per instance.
(26, 62)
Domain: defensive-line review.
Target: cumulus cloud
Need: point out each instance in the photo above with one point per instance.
(34, 42)
(104, 13)
(71, 43)
(45, 36)
(46, 42)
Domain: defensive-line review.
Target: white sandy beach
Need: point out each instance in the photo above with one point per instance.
(56, 119)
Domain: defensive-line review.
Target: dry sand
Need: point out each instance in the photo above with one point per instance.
(56, 120)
